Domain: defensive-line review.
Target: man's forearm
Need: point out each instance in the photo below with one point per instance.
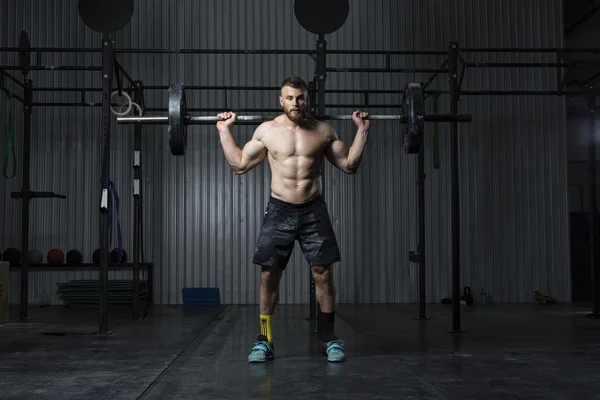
(357, 149)
(233, 154)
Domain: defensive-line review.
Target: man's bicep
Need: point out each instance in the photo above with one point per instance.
(253, 151)
(337, 153)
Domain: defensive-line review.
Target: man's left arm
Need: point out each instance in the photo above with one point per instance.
(348, 159)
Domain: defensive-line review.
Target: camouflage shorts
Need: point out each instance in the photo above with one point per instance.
(284, 223)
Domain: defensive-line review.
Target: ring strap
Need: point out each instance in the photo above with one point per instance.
(9, 139)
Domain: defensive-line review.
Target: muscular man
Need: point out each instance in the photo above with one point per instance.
(295, 144)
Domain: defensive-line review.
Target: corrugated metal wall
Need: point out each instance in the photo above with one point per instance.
(201, 222)
(3, 186)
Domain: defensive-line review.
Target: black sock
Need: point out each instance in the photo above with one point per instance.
(326, 326)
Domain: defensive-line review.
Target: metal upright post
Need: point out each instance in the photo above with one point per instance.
(454, 98)
(421, 248)
(419, 256)
(593, 213)
(321, 73)
(26, 199)
(321, 77)
(312, 94)
(107, 72)
(137, 193)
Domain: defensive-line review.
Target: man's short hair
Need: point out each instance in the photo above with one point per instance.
(295, 82)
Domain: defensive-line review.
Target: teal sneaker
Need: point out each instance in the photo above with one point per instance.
(262, 350)
(334, 350)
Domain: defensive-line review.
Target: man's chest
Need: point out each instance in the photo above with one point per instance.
(287, 143)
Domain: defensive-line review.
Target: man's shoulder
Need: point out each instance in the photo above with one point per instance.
(316, 125)
(325, 128)
(264, 128)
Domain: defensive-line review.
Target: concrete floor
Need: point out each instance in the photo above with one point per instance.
(505, 352)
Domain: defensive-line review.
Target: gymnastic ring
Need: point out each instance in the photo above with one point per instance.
(124, 94)
(134, 105)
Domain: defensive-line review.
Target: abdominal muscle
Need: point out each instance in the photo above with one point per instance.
(297, 180)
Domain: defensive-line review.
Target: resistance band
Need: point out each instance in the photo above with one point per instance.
(112, 193)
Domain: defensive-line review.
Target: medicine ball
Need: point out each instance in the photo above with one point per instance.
(12, 255)
(74, 257)
(56, 257)
(35, 257)
(114, 256)
(96, 257)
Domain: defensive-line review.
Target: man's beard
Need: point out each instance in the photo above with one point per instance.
(298, 116)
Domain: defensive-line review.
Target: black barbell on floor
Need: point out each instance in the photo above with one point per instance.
(412, 116)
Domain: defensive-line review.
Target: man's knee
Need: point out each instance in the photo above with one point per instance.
(270, 275)
(322, 274)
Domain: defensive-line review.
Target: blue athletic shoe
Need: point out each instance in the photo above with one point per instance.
(262, 351)
(334, 350)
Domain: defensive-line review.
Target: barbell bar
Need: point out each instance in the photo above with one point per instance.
(413, 117)
(205, 120)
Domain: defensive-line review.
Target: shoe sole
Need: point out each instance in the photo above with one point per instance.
(260, 360)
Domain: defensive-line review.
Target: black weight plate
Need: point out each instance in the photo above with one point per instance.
(413, 109)
(24, 53)
(406, 106)
(177, 115)
(106, 16)
(321, 16)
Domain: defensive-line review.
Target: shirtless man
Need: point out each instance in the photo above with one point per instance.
(295, 144)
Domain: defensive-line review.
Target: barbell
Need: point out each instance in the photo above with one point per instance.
(412, 116)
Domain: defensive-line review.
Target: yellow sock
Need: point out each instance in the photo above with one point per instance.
(265, 327)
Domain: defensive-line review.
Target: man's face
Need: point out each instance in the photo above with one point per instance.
(294, 103)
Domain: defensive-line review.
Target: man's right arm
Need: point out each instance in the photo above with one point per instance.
(243, 160)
